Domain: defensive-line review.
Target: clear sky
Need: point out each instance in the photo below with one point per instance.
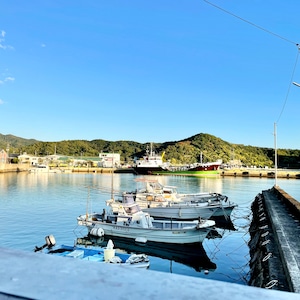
(150, 71)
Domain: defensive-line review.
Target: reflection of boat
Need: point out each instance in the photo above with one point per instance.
(128, 221)
(224, 222)
(192, 255)
(149, 163)
(95, 254)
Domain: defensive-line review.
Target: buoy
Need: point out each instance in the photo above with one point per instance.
(206, 272)
(97, 232)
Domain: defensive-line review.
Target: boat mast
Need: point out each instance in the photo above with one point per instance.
(151, 150)
(87, 204)
(112, 179)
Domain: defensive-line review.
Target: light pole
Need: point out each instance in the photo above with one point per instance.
(275, 142)
(275, 158)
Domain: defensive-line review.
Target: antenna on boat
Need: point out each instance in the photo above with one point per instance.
(112, 178)
(87, 204)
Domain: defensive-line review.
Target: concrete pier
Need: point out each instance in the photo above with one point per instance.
(275, 241)
(261, 173)
(237, 172)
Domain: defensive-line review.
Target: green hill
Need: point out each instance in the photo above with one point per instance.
(189, 150)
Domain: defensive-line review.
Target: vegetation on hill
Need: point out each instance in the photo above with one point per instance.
(14, 142)
(190, 150)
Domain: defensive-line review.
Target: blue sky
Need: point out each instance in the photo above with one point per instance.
(150, 71)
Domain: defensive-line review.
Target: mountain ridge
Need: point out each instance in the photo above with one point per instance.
(193, 149)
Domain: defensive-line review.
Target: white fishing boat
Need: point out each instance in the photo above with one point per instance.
(165, 202)
(150, 163)
(152, 187)
(169, 209)
(127, 220)
(39, 169)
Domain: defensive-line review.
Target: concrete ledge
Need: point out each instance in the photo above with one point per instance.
(286, 235)
(288, 200)
(40, 276)
(261, 173)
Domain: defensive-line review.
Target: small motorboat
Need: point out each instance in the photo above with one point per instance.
(95, 254)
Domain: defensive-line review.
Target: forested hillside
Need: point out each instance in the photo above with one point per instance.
(189, 150)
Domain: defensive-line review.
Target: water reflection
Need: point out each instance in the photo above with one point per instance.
(224, 222)
(192, 255)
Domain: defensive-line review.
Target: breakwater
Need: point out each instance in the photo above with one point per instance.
(238, 172)
(262, 173)
(16, 168)
(275, 241)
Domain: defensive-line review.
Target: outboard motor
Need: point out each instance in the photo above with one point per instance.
(50, 242)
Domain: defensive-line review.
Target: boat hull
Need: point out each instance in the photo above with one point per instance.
(97, 255)
(147, 170)
(175, 236)
(206, 169)
(188, 173)
(192, 255)
(182, 212)
(224, 211)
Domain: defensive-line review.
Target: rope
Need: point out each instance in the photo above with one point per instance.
(265, 234)
(269, 255)
(265, 242)
(271, 283)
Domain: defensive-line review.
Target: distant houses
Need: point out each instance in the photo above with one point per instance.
(3, 157)
(109, 160)
(104, 160)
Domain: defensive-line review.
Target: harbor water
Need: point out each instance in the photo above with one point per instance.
(36, 205)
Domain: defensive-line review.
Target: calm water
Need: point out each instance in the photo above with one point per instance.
(36, 205)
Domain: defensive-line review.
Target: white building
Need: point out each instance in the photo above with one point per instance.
(109, 160)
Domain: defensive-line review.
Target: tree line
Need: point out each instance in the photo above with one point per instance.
(204, 147)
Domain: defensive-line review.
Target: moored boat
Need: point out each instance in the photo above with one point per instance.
(105, 254)
(127, 220)
(165, 202)
(198, 169)
(192, 255)
(171, 210)
(39, 169)
(150, 163)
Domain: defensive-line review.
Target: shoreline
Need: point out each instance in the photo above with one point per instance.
(237, 172)
(266, 173)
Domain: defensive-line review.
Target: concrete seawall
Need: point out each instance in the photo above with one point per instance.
(275, 241)
(262, 173)
(15, 168)
(10, 168)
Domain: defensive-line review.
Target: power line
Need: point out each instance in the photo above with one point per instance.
(272, 33)
(293, 72)
(253, 24)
